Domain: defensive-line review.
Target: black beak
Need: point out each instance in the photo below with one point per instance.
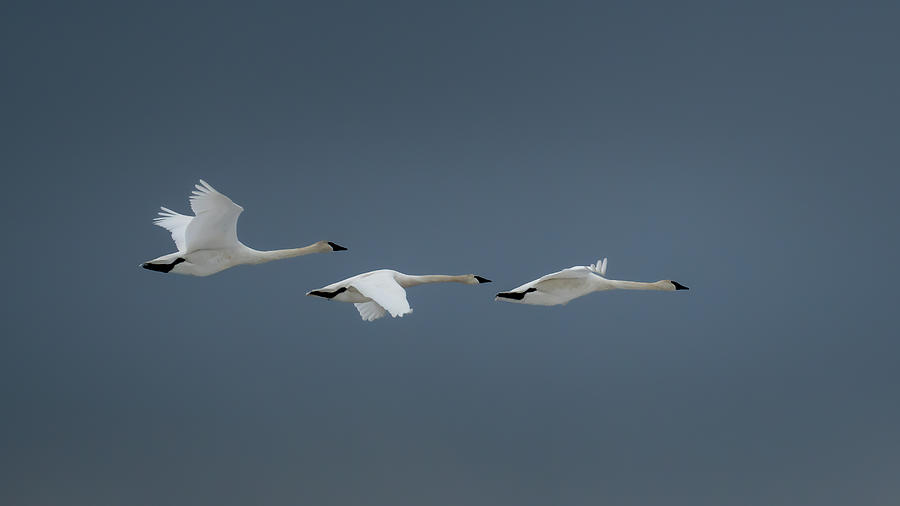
(482, 280)
(336, 247)
(679, 286)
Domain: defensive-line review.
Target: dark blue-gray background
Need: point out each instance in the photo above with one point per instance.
(746, 150)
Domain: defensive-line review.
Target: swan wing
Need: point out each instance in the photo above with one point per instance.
(384, 290)
(577, 272)
(370, 310)
(552, 289)
(560, 286)
(175, 223)
(599, 267)
(565, 285)
(215, 226)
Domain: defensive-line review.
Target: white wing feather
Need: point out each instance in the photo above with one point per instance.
(215, 226)
(575, 273)
(555, 288)
(175, 223)
(370, 310)
(599, 267)
(383, 289)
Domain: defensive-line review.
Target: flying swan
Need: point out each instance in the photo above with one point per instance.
(207, 243)
(380, 292)
(567, 284)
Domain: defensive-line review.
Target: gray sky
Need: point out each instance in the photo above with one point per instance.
(745, 150)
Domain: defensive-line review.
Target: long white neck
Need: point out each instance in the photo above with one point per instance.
(259, 257)
(408, 280)
(661, 285)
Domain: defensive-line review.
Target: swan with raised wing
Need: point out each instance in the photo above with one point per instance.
(207, 242)
(567, 284)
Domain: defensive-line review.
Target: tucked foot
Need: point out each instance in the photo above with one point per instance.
(162, 267)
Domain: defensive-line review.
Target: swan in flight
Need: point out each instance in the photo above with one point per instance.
(207, 243)
(567, 284)
(380, 292)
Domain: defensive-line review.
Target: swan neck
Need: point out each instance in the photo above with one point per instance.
(637, 285)
(434, 278)
(280, 254)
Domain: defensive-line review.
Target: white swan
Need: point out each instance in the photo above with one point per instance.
(207, 243)
(567, 284)
(377, 293)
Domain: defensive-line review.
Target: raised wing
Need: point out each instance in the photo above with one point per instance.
(215, 226)
(599, 267)
(370, 310)
(175, 223)
(384, 290)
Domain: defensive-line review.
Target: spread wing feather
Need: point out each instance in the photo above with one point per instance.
(370, 310)
(215, 226)
(175, 223)
(384, 290)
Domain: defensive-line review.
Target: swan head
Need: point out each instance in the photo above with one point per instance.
(333, 246)
(474, 280)
(676, 285)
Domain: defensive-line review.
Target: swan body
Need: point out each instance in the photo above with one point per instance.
(207, 242)
(377, 293)
(568, 284)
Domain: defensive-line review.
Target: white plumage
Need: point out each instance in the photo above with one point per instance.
(207, 242)
(568, 284)
(176, 224)
(377, 293)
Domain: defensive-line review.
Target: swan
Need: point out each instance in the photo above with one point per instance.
(207, 243)
(377, 293)
(567, 284)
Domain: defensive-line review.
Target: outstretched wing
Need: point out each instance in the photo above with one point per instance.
(370, 310)
(384, 290)
(215, 226)
(175, 223)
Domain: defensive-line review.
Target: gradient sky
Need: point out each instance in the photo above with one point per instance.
(747, 150)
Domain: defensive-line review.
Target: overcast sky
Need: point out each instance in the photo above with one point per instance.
(747, 150)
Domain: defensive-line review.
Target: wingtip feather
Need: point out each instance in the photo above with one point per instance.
(206, 187)
(599, 267)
